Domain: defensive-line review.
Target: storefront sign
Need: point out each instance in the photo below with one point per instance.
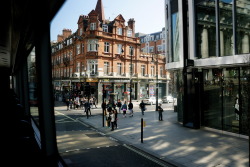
(91, 80)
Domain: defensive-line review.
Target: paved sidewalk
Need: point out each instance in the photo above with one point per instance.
(170, 141)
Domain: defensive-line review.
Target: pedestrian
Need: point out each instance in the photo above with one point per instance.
(160, 110)
(130, 108)
(87, 108)
(116, 118)
(142, 107)
(124, 108)
(67, 103)
(112, 120)
(119, 105)
(70, 104)
(108, 119)
(94, 101)
(237, 108)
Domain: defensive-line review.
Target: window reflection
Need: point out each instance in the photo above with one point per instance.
(32, 83)
(175, 37)
(243, 26)
(226, 28)
(206, 29)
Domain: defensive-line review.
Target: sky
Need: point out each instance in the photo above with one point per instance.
(148, 14)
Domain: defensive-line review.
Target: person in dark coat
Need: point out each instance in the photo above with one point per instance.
(160, 110)
(142, 107)
(130, 108)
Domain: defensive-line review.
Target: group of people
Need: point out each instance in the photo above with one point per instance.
(81, 103)
(111, 111)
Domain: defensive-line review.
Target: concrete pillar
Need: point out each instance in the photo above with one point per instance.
(204, 43)
(245, 44)
(222, 53)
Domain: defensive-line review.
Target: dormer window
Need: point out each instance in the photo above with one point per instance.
(129, 33)
(92, 26)
(105, 28)
(119, 31)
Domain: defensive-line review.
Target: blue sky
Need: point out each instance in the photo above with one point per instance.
(148, 14)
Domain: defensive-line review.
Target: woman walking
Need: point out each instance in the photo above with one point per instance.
(124, 108)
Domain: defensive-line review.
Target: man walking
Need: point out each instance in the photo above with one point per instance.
(160, 110)
(142, 107)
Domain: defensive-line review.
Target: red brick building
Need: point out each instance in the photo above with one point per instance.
(100, 53)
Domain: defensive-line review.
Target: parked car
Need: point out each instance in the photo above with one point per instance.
(152, 100)
(168, 99)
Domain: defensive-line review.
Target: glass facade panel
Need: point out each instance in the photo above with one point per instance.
(175, 38)
(226, 28)
(243, 27)
(212, 104)
(206, 29)
(245, 100)
(230, 87)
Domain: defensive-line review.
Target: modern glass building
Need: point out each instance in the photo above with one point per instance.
(208, 48)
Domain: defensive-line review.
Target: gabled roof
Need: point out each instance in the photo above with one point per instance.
(120, 18)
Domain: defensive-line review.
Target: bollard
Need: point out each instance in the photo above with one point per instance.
(141, 130)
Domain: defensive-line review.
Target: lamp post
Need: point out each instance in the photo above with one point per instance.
(157, 84)
(131, 54)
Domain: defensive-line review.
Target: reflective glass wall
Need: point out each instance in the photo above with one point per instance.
(243, 26)
(205, 29)
(207, 21)
(223, 88)
(175, 33)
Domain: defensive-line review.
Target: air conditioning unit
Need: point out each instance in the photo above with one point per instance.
(123, 74)
(146, 75)
(110, 74)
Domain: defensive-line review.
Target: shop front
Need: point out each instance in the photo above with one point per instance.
(211, 96)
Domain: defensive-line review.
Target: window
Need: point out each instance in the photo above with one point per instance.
(131, 50)
(78, 50)
(80, 31)
(151, 49)
(152, 72)
(161, 71)
(92, 26)
(106, 47)
(92, 67)
(119, 31)
(105, 28)
(159, 48)
(78, 67)
(143, 72)
(119, 48)
(106, 68)
(92, 45)
(119, 68)
(129, 33)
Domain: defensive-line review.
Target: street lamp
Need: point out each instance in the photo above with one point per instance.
(157, 84)
(131, 54)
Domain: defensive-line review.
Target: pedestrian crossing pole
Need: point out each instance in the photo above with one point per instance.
(141, 130)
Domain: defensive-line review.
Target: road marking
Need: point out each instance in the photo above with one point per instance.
(144, 155)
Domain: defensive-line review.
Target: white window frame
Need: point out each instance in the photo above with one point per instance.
(119, 48)
(105, 27)
(92, 45)
(92, 67)
(106, 68)
(92, 26)
(129, 33)
(106, 47)
(119, 68)
(119, 31)
(78, 49)
(143, 70)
